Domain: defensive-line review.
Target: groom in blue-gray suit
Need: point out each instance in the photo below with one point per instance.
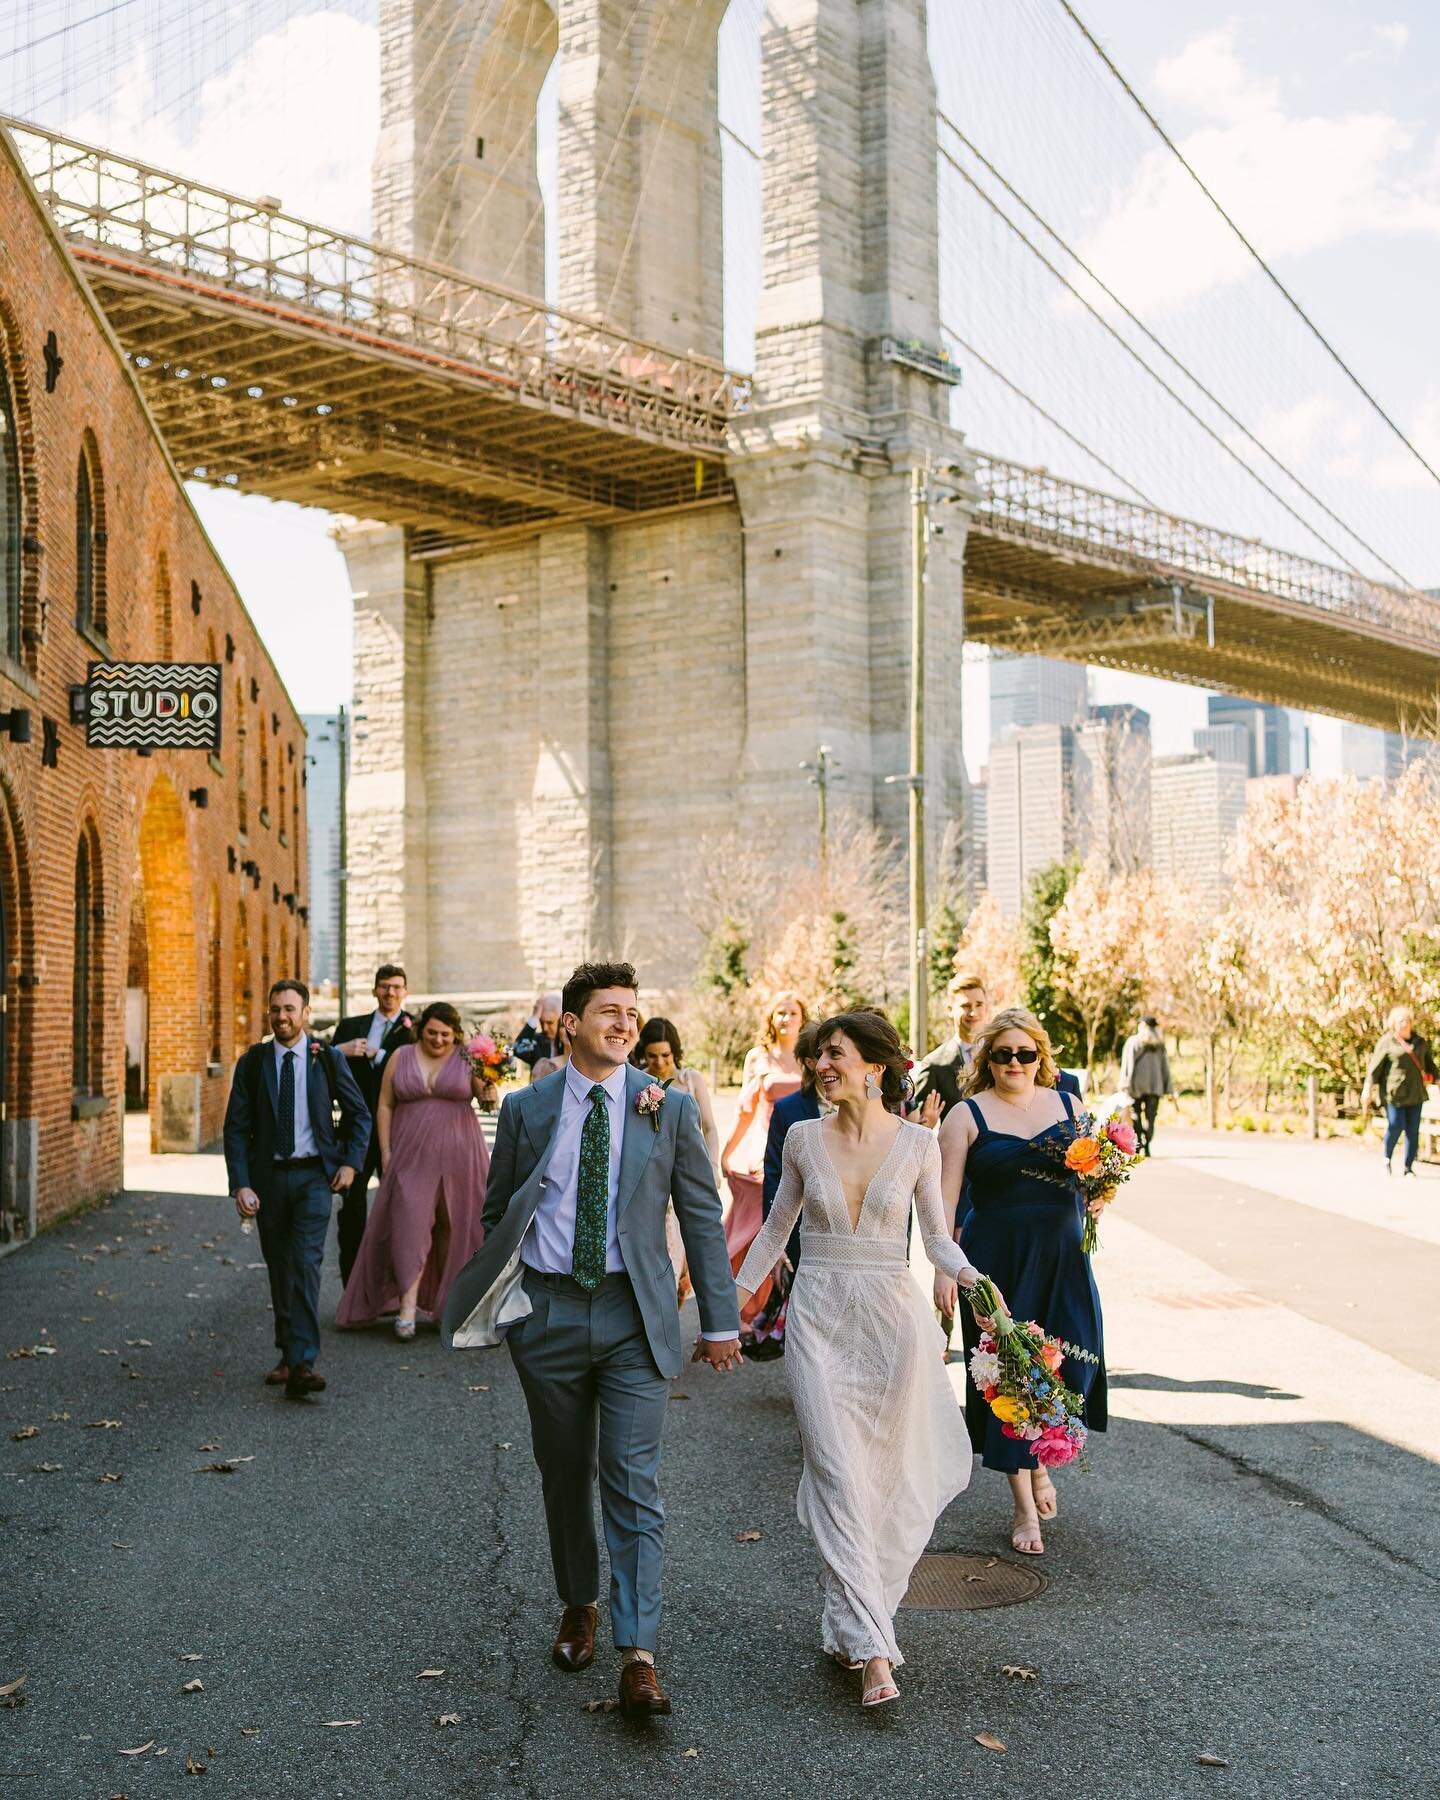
(574, 1273)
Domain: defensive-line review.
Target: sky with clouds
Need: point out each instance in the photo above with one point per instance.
(1317, 124)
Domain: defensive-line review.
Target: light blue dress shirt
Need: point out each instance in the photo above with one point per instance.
(549, 1244)
(305, 1144)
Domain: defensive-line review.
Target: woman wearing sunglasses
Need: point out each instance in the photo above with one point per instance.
(1024, 1229)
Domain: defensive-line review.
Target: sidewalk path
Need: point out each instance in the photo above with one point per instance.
(1251, 1570)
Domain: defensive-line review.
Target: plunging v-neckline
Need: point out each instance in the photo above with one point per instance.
(429, 1086)
(840, 1179)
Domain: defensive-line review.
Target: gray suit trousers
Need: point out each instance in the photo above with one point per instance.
(597, 1406)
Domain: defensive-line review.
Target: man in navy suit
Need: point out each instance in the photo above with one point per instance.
(285, 1161)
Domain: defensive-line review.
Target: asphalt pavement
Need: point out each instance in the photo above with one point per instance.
(1249, 1572)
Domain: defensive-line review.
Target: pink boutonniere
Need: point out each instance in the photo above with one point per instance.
(648, 1103)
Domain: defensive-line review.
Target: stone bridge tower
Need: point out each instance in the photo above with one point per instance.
(555, 718)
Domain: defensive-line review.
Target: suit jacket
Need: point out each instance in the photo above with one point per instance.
(1066, 1083)
(787, 1112)
(250, 1117)
(656, 1165)
(532, 1046)
(400, 1030)
(941, 1072)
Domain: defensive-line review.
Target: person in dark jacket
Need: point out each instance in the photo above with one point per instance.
(539, 1037)
(1145, 1077)
(787, 1112)
(367, 1041)
(285, 1161)
(945, 1068)
(1401, 1071)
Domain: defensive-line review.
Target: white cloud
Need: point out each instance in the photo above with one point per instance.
(294, 115)
(1294, 183)
(1393, 37)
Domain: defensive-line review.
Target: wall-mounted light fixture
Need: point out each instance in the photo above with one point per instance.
(78, 708)
(16, 724)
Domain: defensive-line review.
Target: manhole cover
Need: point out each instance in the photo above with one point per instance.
(959, 1581)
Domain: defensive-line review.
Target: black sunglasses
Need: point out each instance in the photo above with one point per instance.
(1006, 1055)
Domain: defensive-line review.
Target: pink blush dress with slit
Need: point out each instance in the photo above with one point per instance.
(426, 1216)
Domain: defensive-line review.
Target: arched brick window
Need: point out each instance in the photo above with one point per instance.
(11, 532)
(90, 539)
(164, 612)
(87, 990)
(242, 792)
(215, 981)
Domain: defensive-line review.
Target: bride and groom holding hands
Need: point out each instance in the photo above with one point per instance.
(574, 1273)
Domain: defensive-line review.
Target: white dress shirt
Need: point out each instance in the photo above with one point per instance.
(379, 1025)
(549, 1244)
(305, 1144)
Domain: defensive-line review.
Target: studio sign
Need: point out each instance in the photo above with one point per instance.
(153, 706)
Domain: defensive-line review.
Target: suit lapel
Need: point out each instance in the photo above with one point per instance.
(270, 1078)
(640, 1136)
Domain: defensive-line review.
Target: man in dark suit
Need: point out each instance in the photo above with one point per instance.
(539, 1038)
(285, 1161)
(944, 1070)
(365, 1041)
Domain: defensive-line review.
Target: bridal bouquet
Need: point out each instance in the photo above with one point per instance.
(490, 1057)
(1100, 1158)
(1017, 1368)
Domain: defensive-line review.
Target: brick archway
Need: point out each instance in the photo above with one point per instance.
(244, 1017)
(18, 1140)
(176, 1052)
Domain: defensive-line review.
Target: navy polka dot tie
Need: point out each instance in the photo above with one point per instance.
(592, 1195)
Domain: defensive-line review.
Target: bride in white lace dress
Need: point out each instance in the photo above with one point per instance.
(885, 1443)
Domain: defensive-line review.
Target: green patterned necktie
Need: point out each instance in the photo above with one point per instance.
(592, 1195)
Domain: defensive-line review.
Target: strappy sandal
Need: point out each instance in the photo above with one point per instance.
(1047, 1496)
(1025, 1529)
(405, 1330)
(882, 1695)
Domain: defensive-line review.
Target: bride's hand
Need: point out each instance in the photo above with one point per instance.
(946, 1295)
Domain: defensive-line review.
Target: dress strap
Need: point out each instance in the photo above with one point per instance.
(1064, 1094)
(975, 1110)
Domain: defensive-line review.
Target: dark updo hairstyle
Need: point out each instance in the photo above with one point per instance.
(446, 1014)
(878, 1041)
(658, 1031)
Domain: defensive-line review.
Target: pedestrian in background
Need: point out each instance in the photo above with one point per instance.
(551, 1065)
(1401, 1071)
(539, 1039)
(1145, 1077)
(365, 1041)
(285, 1161)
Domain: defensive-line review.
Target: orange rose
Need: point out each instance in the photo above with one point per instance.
(1083, 1156)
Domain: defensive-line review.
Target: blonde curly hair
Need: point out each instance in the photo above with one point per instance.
(767, 1029)
(1011, 1018)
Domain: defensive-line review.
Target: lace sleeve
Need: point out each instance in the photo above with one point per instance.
(944, 1253)
(774, 1234)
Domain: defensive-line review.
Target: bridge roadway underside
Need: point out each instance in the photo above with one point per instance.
(279, 401)
(1077, 603)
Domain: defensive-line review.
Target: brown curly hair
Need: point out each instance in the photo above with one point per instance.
(878, 1041)
(1011, 1018)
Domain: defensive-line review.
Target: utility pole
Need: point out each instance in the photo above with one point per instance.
(342, 874)
(919, 972)
(820, 771)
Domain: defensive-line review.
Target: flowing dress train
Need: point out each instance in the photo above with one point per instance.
(884, 1440)
(436, 1151)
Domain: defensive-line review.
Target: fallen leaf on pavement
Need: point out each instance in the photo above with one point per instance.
(47, 1468)
(249, 1731)
(102, 1424)
(1020, 1672)
(692, 1751)
(111, 1478)
(679, 1396)
(429, 1674)
(139, 1343)
(334, 1724)
(448, 1719)
(502, 1446)
(109, 1352)
(194, 1767)
(11, 1687)
(115, 1546)
(193, 1687)
(987, 1740)
(25, 1431)
(205, 1447)
(1212, 1762)
(484, 1388)
(748, 1537)
(60, 1418)
(190, 1656)
(600, 1705)
(224, 1468)
(139, 1749)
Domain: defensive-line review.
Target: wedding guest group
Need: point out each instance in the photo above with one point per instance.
(771, 1071)
(1004, 1147)
(296, 1134)
(1145, 1077)
(425, 1225)
(365, 1041)
(575, 1274)
(1401, 1071)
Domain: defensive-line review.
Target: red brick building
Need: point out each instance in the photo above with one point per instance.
(145, 901)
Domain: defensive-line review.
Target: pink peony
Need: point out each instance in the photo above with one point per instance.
(483, 1047)
(1121, 1136)
(1055, 1447)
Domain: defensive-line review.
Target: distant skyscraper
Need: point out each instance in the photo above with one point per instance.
(1269, 729)
(1196, 803)
(1226, 743)
(322, 814)
(977, 847)
(1034, 690)
(1111, 787)
(1029, 817)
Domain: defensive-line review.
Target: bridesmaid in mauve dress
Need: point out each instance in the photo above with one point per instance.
(425, 1223)
(771, 1072)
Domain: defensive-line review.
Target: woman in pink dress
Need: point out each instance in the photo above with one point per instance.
(425, 1223)
(771, 1072)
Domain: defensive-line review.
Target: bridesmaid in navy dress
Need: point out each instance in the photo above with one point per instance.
(1024, 1227)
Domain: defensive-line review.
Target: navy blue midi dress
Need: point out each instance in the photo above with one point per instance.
(1024, 1230)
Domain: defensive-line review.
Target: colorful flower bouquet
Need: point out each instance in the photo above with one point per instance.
(1100, 1157)
(490, 1058)
(1017, 1369)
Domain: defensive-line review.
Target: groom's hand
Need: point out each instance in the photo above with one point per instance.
(722, 1354)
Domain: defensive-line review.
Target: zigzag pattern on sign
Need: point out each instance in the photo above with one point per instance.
(203, 677)
(180, 734)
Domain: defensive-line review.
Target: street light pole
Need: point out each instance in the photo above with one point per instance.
(342, 874)
(919, 974)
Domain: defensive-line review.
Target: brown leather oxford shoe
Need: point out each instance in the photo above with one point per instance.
(279, 1375)
(641, 1695)
(302, 1382)
(574, 1646)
